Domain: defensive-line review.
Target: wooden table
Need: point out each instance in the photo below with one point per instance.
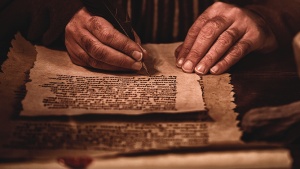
(268, 80)
(265, 80)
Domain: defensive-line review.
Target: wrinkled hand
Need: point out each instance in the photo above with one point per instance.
(220, 37)
(92, 41)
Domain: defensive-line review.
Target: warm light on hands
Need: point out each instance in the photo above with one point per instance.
(220, 37)
(92, 41)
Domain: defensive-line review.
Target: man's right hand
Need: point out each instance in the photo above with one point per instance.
(92, 41)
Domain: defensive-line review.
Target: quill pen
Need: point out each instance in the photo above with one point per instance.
(115, 13)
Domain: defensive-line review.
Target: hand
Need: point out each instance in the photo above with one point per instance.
(92, 41)
(220, 37)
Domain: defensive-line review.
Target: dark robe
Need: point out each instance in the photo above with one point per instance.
(43, 21)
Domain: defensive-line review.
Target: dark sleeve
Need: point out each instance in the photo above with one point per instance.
(283, 17)
(39, 21)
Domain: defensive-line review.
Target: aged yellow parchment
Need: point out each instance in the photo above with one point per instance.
(208, 139)
(58, 87)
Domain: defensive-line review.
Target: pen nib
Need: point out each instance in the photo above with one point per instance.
(145, 68)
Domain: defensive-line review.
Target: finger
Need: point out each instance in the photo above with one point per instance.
(177, 50)
(139, 42)
(219, 48)
(239, 50)
(207, 36)
(81, 58)
(109, 36)
(190, 38)
(91, 46)
(106, 54)
(77, 55)
(76, 60)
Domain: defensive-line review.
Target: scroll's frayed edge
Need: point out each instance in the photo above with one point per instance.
(202, 89)
(219, 99)
(15, 74)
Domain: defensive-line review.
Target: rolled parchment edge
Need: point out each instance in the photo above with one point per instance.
(296, 46)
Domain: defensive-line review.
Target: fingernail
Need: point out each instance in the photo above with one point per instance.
(144, 50)
(180, 62)
(138, 56)
(188, 66)
(214, 70)
(137, 66)
(200, 69)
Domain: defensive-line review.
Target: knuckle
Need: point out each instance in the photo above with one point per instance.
(212, 56)
(202, 19)
(122, 63)
(86, 42)
(236, 11)
(256, 34)
(69, 27)
(225, 64)
(236, 52)
(93, 63)
(193, 31)
(185, 50)
(102, 28)
(106, 34)
(233, 32)
(207, 32)
(125, 46)
(194, 54)
(247, 44)
(218, 3)
(82, 56)
(196, 27)
(209, 59)
(93, 48)
(239, 50)
(225, 41)
(76, 60)
(94, 23)
(218, 21)
(212, 26)
(99, 53)
(229, 37)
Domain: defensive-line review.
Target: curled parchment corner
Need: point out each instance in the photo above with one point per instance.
(296, 46)
(20, 60)
(277, 123)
